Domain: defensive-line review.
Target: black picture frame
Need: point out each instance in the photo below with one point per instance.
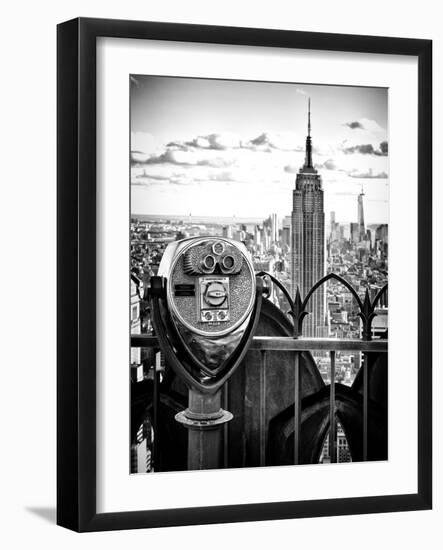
(76, 281)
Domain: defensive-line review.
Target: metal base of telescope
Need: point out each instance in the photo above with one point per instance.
(204, 418)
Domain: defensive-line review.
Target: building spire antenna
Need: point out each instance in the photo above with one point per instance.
(308, 154)
(309, 116)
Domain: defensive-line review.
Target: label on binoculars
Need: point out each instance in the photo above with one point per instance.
(184, 290)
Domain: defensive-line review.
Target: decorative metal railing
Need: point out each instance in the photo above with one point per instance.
(297, 345)
(298, 307)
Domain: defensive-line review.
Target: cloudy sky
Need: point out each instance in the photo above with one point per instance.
(217, 147)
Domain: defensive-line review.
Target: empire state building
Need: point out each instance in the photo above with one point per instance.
(307, 240)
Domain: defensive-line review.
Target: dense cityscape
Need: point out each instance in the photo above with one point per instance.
(362, 262)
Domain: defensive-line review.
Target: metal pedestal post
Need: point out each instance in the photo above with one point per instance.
(204, 418)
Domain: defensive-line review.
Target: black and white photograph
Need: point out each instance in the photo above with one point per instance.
(259, 254)
(228, 234)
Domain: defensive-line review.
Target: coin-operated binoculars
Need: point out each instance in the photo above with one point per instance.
(205, 305)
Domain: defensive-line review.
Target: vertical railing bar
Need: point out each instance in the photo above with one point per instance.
(332, 423)
(263, 408)
(226, 426)
(297, 408)
(365, 406)
(155, 403)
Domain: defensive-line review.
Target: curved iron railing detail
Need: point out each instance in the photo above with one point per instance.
(380, 294)
(298, 305)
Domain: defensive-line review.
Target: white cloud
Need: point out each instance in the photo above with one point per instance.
(238, 170)
(267, 141)
(144, 144)
(218, 141)
(328, 164)
(369, 174)
(361, 133)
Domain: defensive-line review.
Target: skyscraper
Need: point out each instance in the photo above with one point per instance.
(361, 217)
(274, 227)
(308, 239)
(354, 230)
(333, 228)
(286, 232)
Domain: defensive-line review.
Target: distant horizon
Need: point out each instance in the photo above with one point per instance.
(236, 219)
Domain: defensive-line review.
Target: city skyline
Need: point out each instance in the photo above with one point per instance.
(206, 147)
